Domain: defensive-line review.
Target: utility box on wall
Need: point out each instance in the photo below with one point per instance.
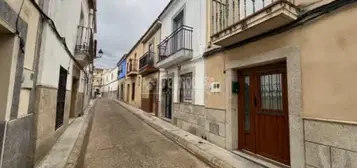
(215, 87)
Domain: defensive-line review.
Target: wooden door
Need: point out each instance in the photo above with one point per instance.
(151, 101)
(263, 112)
(128, 93)
(61, 98)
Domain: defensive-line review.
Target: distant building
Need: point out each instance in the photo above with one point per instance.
(97, 81)
(121, 76)
(109, 86)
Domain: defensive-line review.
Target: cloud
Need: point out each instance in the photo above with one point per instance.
(120, 25)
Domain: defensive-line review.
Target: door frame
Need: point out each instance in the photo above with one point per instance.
(292, 56)
(254, 73)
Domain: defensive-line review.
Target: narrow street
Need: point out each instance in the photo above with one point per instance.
(120, 139)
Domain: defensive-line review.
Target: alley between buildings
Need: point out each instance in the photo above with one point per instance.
(120, 139)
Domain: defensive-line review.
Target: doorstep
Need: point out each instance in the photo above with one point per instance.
(205, 150)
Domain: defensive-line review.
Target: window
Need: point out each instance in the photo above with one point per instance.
(151, 47)
(186, 87)
(120, 68)
(178, 20)
(133, 92)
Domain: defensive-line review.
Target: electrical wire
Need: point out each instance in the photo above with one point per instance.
(59, 37)
(22, 42)
(18, 17)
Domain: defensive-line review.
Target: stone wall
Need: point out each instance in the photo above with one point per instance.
(110, 95)
(204, 122)
(17, 143)
(330, 144)
(79, 104)
(113, 94)
(45, 117)
(105, 94)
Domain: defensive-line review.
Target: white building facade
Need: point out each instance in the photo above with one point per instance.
(183, 42)
(110, 83)
(65, 66)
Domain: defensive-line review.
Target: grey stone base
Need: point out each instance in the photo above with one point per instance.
(18, 143)
(45, 116)
(79, 104)
(110, 95)
(69, 150)
(330, 144)
(204, 122)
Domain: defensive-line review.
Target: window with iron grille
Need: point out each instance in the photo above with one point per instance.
(61, 97)
(186, 87)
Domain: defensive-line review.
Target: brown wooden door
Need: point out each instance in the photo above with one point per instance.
(263, 112)
(151, 101)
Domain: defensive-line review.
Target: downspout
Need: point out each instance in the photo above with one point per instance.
(32, 99)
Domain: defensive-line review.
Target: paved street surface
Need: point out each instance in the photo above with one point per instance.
(120, 140)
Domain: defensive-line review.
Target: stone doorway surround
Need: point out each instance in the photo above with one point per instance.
(161, 104)
(292, 56)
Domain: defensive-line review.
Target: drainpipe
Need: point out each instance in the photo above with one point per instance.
(32, 99)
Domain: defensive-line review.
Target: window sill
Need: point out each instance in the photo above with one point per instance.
(166, 119)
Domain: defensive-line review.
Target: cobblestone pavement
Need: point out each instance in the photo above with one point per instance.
(120, 140)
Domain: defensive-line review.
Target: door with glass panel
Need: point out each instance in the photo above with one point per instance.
(263, 112)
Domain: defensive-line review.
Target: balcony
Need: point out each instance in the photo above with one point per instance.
(147, 63)
(237, 20)
(176, 48)
(85, 46)
(132, 67)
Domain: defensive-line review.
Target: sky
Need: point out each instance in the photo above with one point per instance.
(121, 23)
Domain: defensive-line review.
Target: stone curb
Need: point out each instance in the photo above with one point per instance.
(181, 140)
(77, 155)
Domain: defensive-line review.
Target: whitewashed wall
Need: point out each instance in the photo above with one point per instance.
(110, 80)
(66, 15)
(194, 16)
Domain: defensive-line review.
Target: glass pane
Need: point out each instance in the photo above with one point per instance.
(271, 92)
(246, 104)
(249, 7)
(258, 4)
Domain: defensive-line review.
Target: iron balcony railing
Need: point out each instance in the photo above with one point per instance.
(180, 39)
(132, 65)
(227, 13)
(85, 41)
(147, 60)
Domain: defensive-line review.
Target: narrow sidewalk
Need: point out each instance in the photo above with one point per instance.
(206, 151)
(68, 150)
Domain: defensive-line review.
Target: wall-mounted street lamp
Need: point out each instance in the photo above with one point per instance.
(100, 53)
